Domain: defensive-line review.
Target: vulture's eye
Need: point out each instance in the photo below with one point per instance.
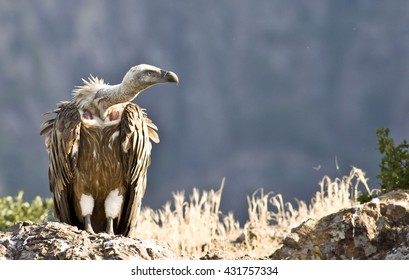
(150, 72)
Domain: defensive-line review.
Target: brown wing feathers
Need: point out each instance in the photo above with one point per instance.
(62, 136)
(136, 157)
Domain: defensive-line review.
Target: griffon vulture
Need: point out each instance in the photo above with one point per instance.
(99, 149)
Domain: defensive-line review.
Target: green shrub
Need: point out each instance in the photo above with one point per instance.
(15, 209)
(395, 162)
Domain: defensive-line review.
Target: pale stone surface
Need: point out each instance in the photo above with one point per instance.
(53, 240)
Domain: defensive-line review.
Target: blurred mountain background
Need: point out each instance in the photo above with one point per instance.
(271, 93)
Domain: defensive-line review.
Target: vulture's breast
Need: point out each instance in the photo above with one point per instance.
(99, 166)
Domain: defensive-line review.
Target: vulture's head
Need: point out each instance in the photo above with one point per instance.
(97, 97)
(143, 76)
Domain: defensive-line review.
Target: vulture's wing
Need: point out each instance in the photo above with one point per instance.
(136, 130)
(62, 140)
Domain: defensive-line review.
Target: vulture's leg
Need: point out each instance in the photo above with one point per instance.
(110, 225)
(88, 226)
(87, 205)
(113, 205)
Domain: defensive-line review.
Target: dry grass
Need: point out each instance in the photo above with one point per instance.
(194, 226)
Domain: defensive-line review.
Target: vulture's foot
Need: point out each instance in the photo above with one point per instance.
(110, 226)
(88, 226)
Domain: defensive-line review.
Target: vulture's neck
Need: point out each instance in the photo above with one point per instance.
(104, 106)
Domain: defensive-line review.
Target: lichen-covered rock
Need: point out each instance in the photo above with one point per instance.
(375, 230)
(52, 240)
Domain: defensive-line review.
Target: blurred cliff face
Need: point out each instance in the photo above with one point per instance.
(270, 94)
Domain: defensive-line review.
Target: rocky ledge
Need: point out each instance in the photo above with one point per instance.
(375, 230)
(53, 241)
